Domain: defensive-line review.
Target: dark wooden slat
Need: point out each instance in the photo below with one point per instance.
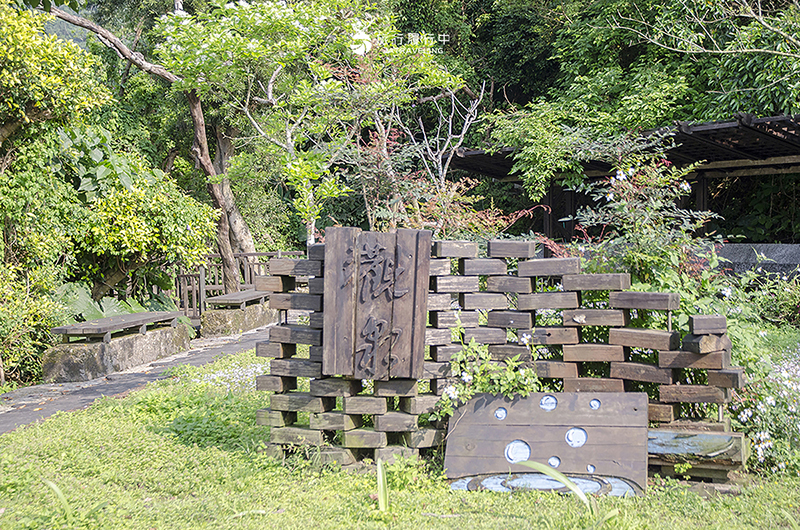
(295, 267)
(364, 405)
(693, 394)
(422, 404)
(301, 402)
(662, 412)
(437, 337)
(445, 353)
(528, 302)
(364, 439)
(730, 378)
(708, 324)
(645, 338)
(295, 436)
(556, 369)
(302, 302)
(483, 301)
(454, 284)
(395, 422)
(316, 320)
(335, 421)
(549, 267)
(295, 368)
(638, 300)
(440, 267)
(439, 302)
(501, 352)
(641, 372)
(482, 266)
(706, 343)
(596, 282)
(273, 383)
(436, 370)
(420, 306)
(593, 353)
(451, 319)
(422, 438)
(685, 359)
(334, 387)
(275, 349)
(549, 336)
(595, 317)
(274, 284)
(403, 312)
(396, 387)
(511, 249)
(510, 319)
(485, 335)
(296, 335)
(339, 301)
(316, 251)
(316, 286)
(593, 384)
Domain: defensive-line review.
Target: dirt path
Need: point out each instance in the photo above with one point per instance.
(36, 403)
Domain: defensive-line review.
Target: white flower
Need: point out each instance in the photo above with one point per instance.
(770, 401)
(467, 378)
(526, 338)
(762, 334)
(685, 186)
(451, 392)
(610, 197)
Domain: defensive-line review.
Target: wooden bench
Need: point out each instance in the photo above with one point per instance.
(102, 328)
(240, 299)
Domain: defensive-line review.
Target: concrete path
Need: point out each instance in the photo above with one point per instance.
(35, 403)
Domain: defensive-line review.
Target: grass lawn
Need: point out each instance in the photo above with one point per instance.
(182, 453)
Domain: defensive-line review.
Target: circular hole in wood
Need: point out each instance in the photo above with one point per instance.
(576, 437)
(518, 451)
(594, 404)
(590, 468)
(548, 403)
(501, 413)
(554, 461)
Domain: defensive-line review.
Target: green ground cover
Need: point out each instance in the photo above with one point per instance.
(182, 453)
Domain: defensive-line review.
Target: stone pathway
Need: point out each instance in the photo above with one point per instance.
(36, 403)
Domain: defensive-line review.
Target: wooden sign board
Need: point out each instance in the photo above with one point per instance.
(375, 303)
(576, 433)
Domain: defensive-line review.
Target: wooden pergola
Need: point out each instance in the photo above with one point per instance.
(744, 147)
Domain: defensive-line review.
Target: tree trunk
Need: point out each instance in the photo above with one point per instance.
(202, 157)
(240, 235)
(109, 281)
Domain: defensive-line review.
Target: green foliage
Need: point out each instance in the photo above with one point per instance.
(42, 77)
(476, 374)
(383, 488)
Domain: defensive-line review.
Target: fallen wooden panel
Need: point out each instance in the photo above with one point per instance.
(511, 249)
(638, 300)
(595, 317)
(455, 249)
(724, 449)
(708, 324)
(529, 302)
(641, 372)
(693, 394)
(596, 282)
(593, 384)
(605, 434)
(549, 267)
(684, 359)
(644, 338)
(593, 353)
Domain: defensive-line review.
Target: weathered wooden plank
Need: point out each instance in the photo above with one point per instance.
(484, 301)
(275, 349)
(316, 286)
(556, 369)
(337, 456)
(501, 352)
(726, 449)
(299, 301)
(508, 284)
(440, 267)
(295, 436)
(662, 412)
(435, 370)
(482, 266)
(645, 338)
(275, 418)
(274, 284)
(335, 421)
(511, 249)
(316, 251)
(555, 300)
(454, 284)
(445, 353)
(374, 334)
(641, 372)
(295, 267)
(455, 249)
(693, 394)
(105, 325)
(595, 317)
(708, 324)
(484, 335)
(684, 359)
(549, 267)
(341, 266)
(410, 303)
(422, 404)
(301, 401)
(593, 353)
(706, 343)
(730, 378)
(438, 386)
(395, 422)
(296, 335)
(364, 405)
(334, 386)
(596, 282)
(452, 319)
(364, 439)
(439, 302)
(549, 336)
(639, 300)
(437, 337)
(510, 319)
(315, 354)
(593, 384)
(422, 438)
(396, 387)
(274, 383)
(316, 320)
(698, 425)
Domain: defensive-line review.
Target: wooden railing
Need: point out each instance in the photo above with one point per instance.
(193, 287)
